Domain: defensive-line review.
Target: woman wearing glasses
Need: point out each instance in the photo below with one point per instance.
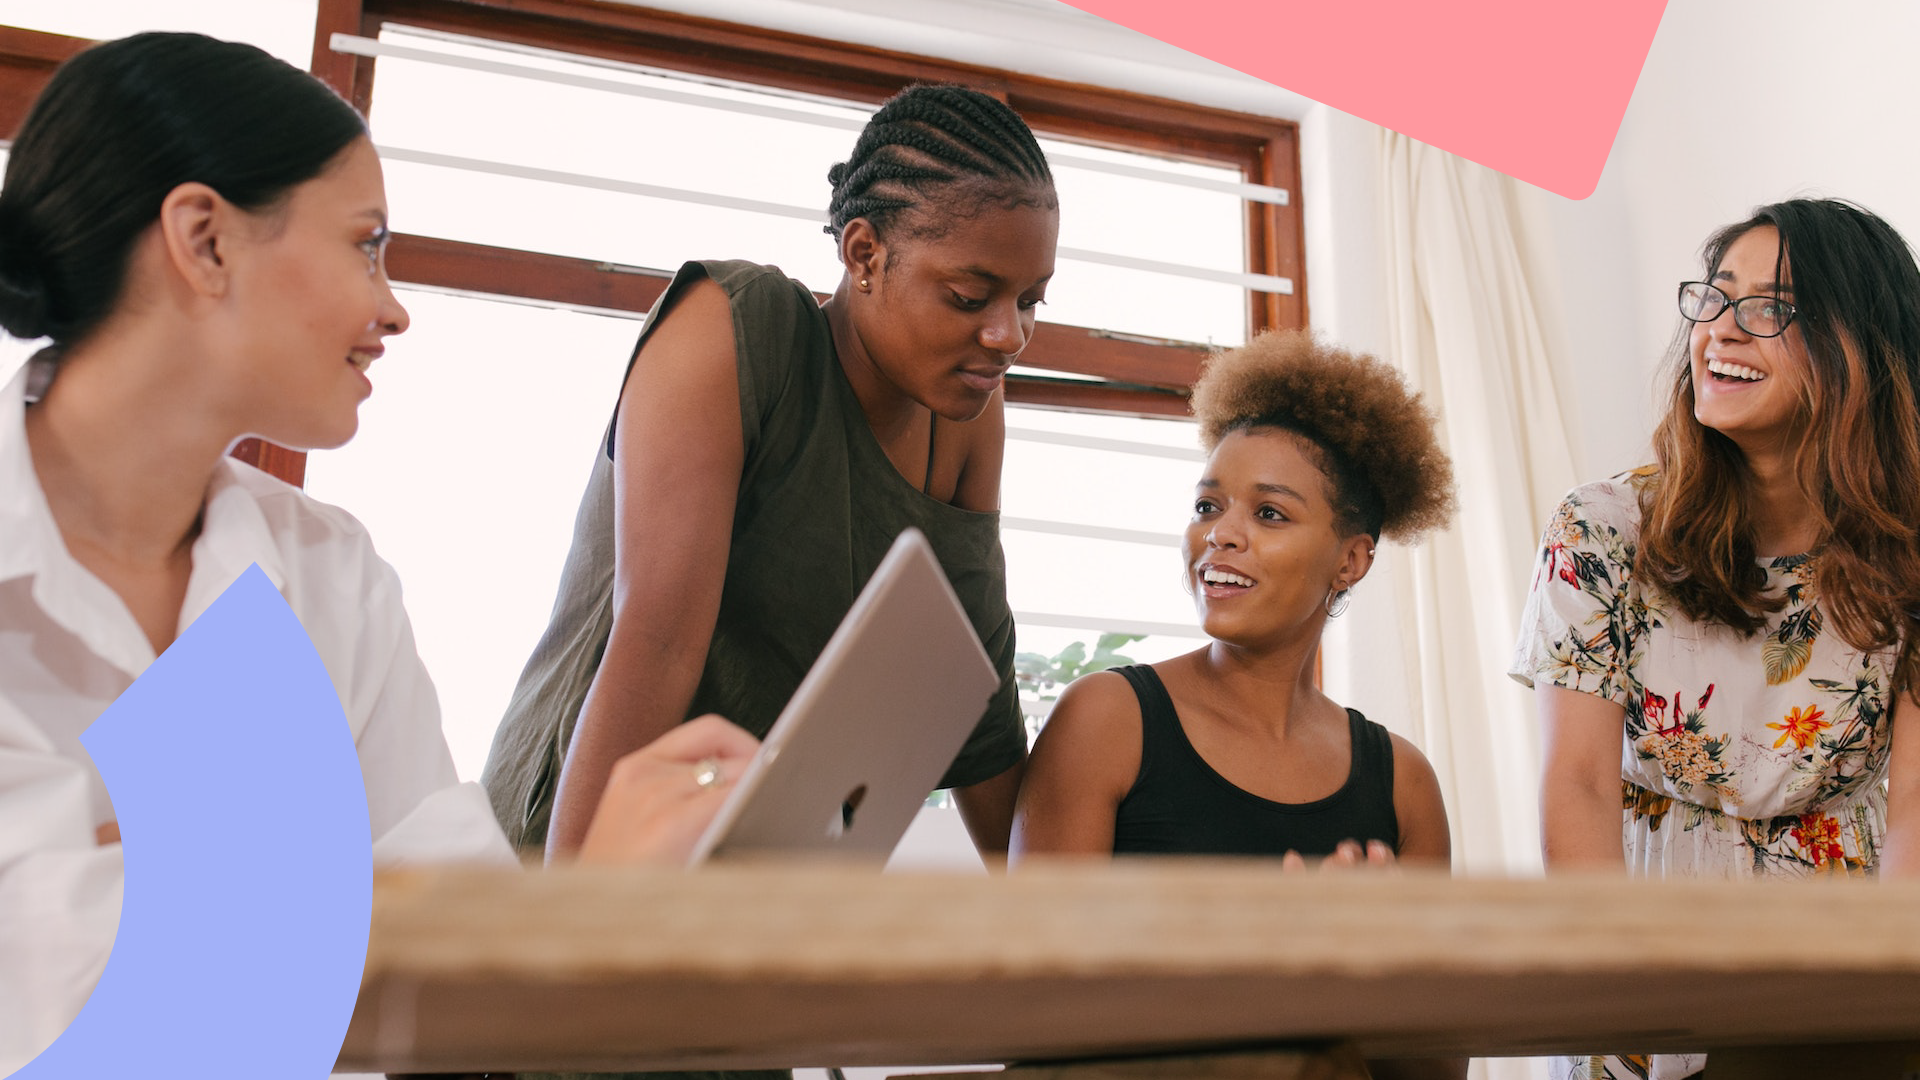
(1723, 642)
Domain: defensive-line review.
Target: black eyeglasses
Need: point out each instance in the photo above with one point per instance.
(1761, 316)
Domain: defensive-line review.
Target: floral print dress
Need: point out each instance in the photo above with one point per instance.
(1759, 756)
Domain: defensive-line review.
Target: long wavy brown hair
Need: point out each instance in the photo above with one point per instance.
(1857, 293)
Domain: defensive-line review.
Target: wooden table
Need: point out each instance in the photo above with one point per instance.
(764, 966)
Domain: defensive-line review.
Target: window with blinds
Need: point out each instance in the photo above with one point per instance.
(551, 163)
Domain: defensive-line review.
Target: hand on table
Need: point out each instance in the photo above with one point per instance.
(661, 797)
(1349, 854)
(657, 802)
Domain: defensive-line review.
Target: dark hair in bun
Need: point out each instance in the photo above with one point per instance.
(23, 292)
(122, 124)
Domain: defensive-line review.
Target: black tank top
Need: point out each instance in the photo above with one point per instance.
(1180, 805)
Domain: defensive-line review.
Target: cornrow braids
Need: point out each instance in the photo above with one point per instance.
(927, 143)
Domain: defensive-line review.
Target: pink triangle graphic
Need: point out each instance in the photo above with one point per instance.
(1533, 88)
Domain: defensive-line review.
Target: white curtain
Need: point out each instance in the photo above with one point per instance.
(1467, 328)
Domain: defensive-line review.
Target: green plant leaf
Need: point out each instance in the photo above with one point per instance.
(1032, 664)
(1069, 659)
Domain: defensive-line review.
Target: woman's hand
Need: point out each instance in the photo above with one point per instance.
(661, 798)
(1348, 855)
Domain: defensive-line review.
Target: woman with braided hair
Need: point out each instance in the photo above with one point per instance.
(765, 451)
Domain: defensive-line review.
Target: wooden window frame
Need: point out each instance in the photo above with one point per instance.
(1137, 376)
(1141, 376)
(27, 60)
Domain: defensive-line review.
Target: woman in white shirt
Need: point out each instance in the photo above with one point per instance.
(199, 230)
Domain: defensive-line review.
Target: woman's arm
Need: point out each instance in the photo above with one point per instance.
(987, 808)
(1900, 853)
(1084, 763)
(677, 455)
(1425, 839)
(1580, 780)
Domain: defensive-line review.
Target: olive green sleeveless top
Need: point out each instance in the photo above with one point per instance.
(819, 505)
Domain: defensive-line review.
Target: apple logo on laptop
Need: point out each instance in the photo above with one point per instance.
(838, 825)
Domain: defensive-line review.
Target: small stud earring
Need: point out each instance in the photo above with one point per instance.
(863, 284)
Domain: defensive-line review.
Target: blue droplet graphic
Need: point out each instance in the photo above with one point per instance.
(248, 855)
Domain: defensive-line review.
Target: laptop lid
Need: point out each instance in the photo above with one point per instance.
(873, 726)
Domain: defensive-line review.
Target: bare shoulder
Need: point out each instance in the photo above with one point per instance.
(1082, 767)
(686, 367)
(1416, 787)
(702, 314)
(1410, 763)
(1100, 695)
(1094, 729)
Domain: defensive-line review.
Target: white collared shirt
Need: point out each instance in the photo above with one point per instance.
(59, 892)
(69, 646)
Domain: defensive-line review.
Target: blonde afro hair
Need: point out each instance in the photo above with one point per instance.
(1372, 436)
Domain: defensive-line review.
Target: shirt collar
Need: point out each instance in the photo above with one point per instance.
(23, 508)
(68, 593)
(234, 534)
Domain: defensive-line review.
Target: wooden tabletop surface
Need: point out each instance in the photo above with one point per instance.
(770, 965)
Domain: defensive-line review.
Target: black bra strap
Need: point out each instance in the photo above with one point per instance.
(926, 486)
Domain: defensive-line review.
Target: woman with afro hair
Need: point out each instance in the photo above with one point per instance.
(1314, 453)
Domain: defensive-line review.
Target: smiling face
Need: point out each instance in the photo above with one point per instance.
(309, 305)
(943, 317)
(1263, 549)
(1749, 388)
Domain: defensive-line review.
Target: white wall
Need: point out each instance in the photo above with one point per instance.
(1736, 106)
(1782, 104)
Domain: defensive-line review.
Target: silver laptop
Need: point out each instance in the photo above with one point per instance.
(873, 726)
